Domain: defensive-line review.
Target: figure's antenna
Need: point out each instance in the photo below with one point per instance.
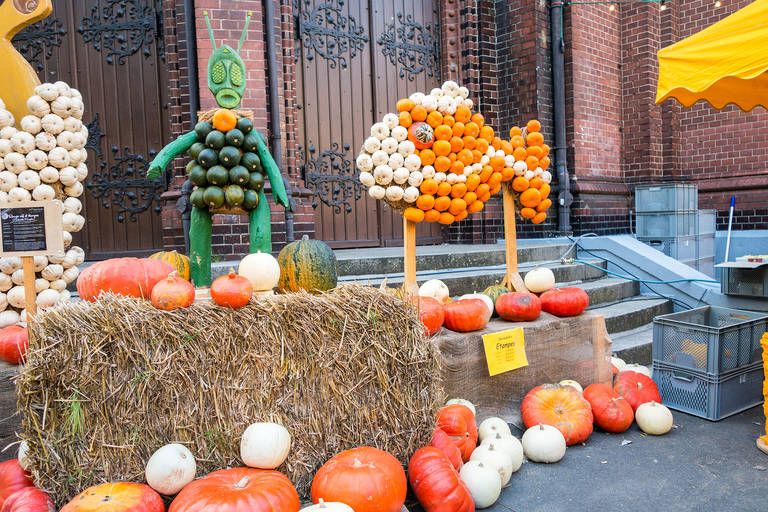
(210, 30)
(245, 31)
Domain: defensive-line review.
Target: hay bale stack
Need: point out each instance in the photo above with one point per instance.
(108, 383)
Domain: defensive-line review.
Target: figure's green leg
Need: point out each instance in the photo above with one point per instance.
(200, 246)
(261, 226)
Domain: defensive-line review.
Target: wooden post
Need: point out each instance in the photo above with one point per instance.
(512, 279)
(28, 268)
(409, 262)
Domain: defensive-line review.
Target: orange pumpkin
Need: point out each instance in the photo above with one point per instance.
(459, 423)
(422, 135)
(173, 293)
(612, 412)
(224, 120)
(116, 497)
(467, 314)
(560, 406)
(445, 444)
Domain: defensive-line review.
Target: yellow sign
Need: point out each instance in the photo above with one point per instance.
(505, 351)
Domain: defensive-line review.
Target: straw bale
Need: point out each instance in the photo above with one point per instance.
(107, 383)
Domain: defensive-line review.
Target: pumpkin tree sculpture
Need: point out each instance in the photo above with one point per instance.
(229, 160)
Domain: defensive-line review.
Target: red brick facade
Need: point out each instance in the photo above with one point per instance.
(617, 137)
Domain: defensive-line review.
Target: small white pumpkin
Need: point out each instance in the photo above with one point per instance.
(68, 176)
(69, 275)
(450, 87)
(394, 193)
(411, 194)
(391, 120)
(451, 178)
(77, 109)
(461, 401)
(49, 174)
(22, 142)
(43, 193)
(18, 277)
(439, 177)
(9, 317)
(6, 283)
(509, 445)
(265, 445)
(52, 124)
(261, 269)
(415, 179)
(654, 418)
(619, 363)
(483, 482)
(67, 236)
(6, 119)
(429, 102)
(62, 106)
(40, 261)
(3, 301)
(5, 148)
(64, 295)
(417, 97)
(520, 167)
(37, 159)
(19, 195)
(48, 92)
(74, 125)
(494, 458)
(396, 160)
(539, 280)
(31, 124)
(57, 285)
(639, 369)
(9, 265)
(407, 148)
(45, 141)
(546, 177)
(69, 222)
(489, 427)
(48, 298)
(28, 180)
(380, 157)
(59, 158)
(383, 175)
(41, 284)
(75, 190)
(389, 145)
(328, 506)
(380, 131)
(377, 192)
(52, 272)
(170, 468)
(23, 456)
(72, 204)
(572, 383)
(364, 162)
(8, 132)
(528, 175)
(8, 180)
(66, 140)
(367, 179)
(77, 156)
(543, 443)
(436, 289)
(16, 297)
(428, 172)
(4, 197)
(400, 133)
(74, 94)
(483, 297)
(372, 145)
(412, 163)
(15, 162)
(401, 175)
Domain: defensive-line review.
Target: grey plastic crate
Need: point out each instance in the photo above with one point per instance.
(707, 222)
(710, 339)
(712, 397)
(751, 282)
(669, 197)
(706, 266)
(705, 246)
(665, 224)
(681, 248)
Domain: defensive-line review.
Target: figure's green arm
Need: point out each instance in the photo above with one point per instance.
(275, 178)
(169, 152)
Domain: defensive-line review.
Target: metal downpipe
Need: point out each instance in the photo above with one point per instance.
(564, 198)
(190, 33)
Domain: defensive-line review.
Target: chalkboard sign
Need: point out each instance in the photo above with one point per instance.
(31, 228)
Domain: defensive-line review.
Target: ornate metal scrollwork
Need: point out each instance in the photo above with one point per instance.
(415, 47)
(333, 178)
(36, 42)
(325, 30)
(122, 185)
(123, 27)
(94, 136)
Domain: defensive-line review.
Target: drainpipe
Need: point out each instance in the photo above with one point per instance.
(275, 141)
(182, 204)
(564, 198)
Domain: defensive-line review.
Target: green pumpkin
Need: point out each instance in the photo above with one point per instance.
(494, 292)
(307, 264)
(245, 125)
(215, 140)
(250, 199)
(229, 156)
(202, 129)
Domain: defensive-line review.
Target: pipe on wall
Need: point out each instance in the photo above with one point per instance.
(190, 33)
(564, 198)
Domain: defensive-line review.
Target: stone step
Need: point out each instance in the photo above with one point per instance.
(632, 313)
(634, 345)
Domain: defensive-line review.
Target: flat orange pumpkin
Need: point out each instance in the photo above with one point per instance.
(560, 406)
(116, 497)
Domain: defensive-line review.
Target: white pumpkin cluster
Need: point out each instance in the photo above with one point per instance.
(387, 162)
(42, 157)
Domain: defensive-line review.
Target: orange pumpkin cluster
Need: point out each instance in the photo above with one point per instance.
(531, 181)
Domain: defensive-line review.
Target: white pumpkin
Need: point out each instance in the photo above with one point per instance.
(31, 124)
(75, 190)
(8, 132)
(372, 145)
(436, 289)
(43, 193)
(407, 148)
(78, 109)
(379, 157)
(52, 124)
(37, 159)
(67, 238)
(401, 175)
(9, 317)
(509, 445)
(80, 254)
(52, 272)
(28, 180)
(415, 179)
(19, 195)
(41, 284)
(539, 280)
(364, 162)
(489, 427)
(329, 506)
(8, 180)
(428, 172)
(6, 119)
(18, 277)
(639, 369)
(654, 418)
(483, 482)
(439, 177)
(481, 296)
(394, 193)
(261, 269)
(3, 301)
(74, 125)
(461, 401)
(6, 283)
(68, 176)
(74, 94)
(546, 177)
(170, 468)
(69, 222)
(618, 363)
(57, 285)
(45, 141)
(23, 456)
(47, 298)
(16, 297)
(494, 458)
(5, 148)
(64, 295)
(391, 120)
(48, 92)
(265, 445)
(72, 205)
(70, 274)
(59, 158)
(15, 162)
(9, 265)
(4, 197)
(400, 133)
(572, 383)
(66, 140)
(412, 162)
(380, 131)
(62, 106)
(411, 194)
(389, 145)
(543, 443)
(62, 87)
(383, 174)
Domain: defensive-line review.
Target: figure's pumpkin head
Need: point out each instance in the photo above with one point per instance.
(226, 70)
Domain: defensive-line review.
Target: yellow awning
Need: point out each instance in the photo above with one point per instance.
(724, 63)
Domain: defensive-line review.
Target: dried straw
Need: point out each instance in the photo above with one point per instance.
(108, 383)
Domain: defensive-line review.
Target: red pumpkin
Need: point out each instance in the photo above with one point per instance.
(466, 315)
(637, 389)
(560, 406)
(116, 497)
(13, 343)
(459, 423)
(232, 290)
(28, 499)
(612, 412)
(367, 479)
(238, 490)
(12, 478)
(518, 307)
(445, 444)
(436, 483)
(422, 135)
(565, 301)
(132, 277)
(431, 313)
(172, 293)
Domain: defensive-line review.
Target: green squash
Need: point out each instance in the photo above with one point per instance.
(197, 198)
(208, 158)
(214, 197)
(215, 140)
(250, 200)
(195, 149)
(234, 195)
(217, 175)
(494, 292)
(251, 141)
(234, 137)
(251, 161)
(239, 175)
(307, 264)
(256, 181)
(202, 129)
(229, 156)
(197, 175)
(245, 125)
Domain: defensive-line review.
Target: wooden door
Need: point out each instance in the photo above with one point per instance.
(112, 52)
(356, 58)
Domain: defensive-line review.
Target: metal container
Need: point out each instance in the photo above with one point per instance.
(668, 197)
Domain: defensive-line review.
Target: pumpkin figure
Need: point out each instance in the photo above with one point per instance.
(560, 406)
(176, 260)
(436, 483)
(307, 265)
(116, 497)
(458, 421)
(173, 293)
(367, 479)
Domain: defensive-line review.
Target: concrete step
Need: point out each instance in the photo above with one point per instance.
(634, 345)
(632, 313)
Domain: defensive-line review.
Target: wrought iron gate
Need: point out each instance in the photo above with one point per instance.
(356, 58)
(112, 51)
